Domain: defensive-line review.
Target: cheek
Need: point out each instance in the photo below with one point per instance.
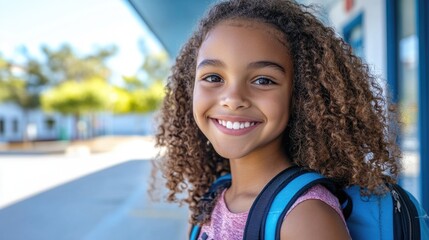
(278, 108)
(195, 98)
(199, 104)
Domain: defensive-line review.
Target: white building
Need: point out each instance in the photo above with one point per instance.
(16, 125)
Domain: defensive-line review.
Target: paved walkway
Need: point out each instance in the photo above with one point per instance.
(109, 204)
(27, 171)
(95, 145)
(84, 194)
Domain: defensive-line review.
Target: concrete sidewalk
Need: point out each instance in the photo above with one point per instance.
(24, 173)
(84, 190)
(95, 145)
(109, 204)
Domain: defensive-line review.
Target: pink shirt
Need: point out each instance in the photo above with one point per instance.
(227, 225)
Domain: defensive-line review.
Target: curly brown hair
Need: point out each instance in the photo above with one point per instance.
(339, 123)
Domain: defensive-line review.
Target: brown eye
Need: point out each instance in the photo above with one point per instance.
(213, 78)
(263, 81)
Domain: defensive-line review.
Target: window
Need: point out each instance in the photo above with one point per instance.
(353, 35)
(408, 95)
(1, 126)
(15, 125)
(49, 123)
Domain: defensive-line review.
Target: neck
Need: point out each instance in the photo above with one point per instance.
(252, 173)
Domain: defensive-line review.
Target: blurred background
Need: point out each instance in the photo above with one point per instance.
(80, 84)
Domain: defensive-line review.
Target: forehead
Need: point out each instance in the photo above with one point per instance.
(254, 25)
(248, 39)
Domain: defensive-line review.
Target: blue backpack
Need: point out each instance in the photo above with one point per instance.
(395, 215)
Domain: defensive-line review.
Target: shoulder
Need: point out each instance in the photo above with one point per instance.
(316, 213)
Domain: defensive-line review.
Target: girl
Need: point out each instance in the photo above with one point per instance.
(259, 87)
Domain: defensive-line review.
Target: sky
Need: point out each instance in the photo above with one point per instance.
(85, 24)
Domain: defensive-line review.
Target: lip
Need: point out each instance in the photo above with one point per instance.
(235, 132)
(235, 118)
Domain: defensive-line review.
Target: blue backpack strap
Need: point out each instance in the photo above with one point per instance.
(220, 182)
(287, 197)
(195, 231)
(260, 207)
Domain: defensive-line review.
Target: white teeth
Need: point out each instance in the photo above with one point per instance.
(235, 125)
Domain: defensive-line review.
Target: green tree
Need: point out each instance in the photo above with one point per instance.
(77, 98)
(4, 77)
(80, 83)
(147, 99)
(21, 83)
(65, 64)
(121, 100)
(144, 91)
(155, 67)
(25, 87)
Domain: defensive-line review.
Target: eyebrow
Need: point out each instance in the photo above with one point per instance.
(263, 64)
(211, 62)
(258, 64)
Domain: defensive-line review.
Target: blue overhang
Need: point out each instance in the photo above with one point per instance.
(171, 21)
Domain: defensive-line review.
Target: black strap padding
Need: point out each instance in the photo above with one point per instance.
(214, 188)
(220, 183)
(413, 212)
(261, 205)
(345, 202)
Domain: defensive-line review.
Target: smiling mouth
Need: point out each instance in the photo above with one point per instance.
(235, 125)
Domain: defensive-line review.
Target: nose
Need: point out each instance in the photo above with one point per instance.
(235, 98)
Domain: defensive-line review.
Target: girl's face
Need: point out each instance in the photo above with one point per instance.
(243, 88)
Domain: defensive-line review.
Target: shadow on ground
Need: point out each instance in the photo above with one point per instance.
(109, 204)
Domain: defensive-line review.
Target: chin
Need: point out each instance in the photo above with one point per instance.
(228, 154)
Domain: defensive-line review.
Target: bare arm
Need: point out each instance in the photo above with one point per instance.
(313, 219)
